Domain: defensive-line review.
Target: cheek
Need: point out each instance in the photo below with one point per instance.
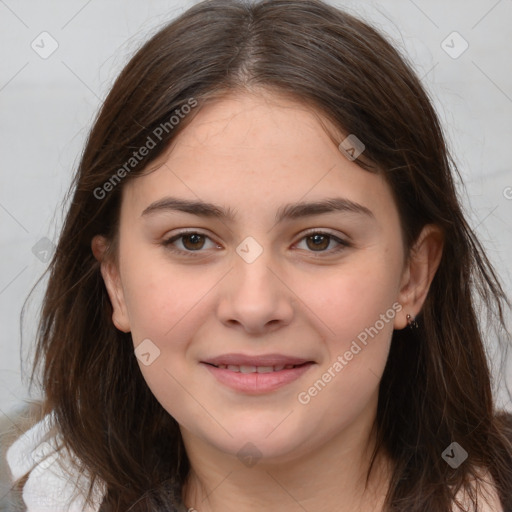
(172, 388)
(354, 296)
(164, 305)
(159, 296)
(356, 308)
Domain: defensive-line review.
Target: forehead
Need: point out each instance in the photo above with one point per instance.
(245, 125)
(251, 149)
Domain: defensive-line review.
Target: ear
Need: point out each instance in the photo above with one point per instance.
(112, 280)
(419, 272)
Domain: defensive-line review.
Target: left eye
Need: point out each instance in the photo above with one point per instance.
(320, 241)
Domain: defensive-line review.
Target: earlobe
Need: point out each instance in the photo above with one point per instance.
(112, 280)
(424, 260)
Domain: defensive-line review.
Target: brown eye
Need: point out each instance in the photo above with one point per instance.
(193, 241)
(189, 243)
(318, 241)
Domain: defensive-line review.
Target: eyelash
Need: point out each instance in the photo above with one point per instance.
(343, 244)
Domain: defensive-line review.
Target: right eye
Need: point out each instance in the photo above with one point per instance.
(191, 241)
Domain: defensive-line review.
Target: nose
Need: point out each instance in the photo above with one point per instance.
(256, 297)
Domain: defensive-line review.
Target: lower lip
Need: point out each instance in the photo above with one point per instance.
(257, 383)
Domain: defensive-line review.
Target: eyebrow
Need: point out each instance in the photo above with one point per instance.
(289, 211)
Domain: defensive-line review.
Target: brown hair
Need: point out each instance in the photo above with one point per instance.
(436, 386)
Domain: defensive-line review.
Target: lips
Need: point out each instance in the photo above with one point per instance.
(257, 374)
(256, 369)
(262, 361)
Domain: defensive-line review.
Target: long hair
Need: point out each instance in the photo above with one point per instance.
(436, 387)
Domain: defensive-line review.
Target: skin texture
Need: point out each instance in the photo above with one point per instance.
(253, 153)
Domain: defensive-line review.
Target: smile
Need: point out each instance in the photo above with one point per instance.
(255, 369)
(256, 380)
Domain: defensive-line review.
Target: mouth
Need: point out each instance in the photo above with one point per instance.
(256, 375)
(257, 369)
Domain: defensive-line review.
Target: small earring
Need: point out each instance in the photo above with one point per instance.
(413, 324)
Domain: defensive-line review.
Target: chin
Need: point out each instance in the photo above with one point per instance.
(256, 444)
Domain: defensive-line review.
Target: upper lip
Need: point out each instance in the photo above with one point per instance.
(262, 360)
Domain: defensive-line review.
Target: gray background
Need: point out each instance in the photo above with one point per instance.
(47, 106)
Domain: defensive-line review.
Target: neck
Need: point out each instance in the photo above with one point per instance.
(331, 477)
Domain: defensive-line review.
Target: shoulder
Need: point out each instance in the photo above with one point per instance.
(486, 495)
(52, 482)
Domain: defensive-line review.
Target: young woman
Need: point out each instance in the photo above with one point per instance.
(265, 293)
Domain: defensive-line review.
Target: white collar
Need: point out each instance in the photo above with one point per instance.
(53, 484)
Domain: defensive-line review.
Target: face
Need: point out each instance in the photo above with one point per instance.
(256, 280)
